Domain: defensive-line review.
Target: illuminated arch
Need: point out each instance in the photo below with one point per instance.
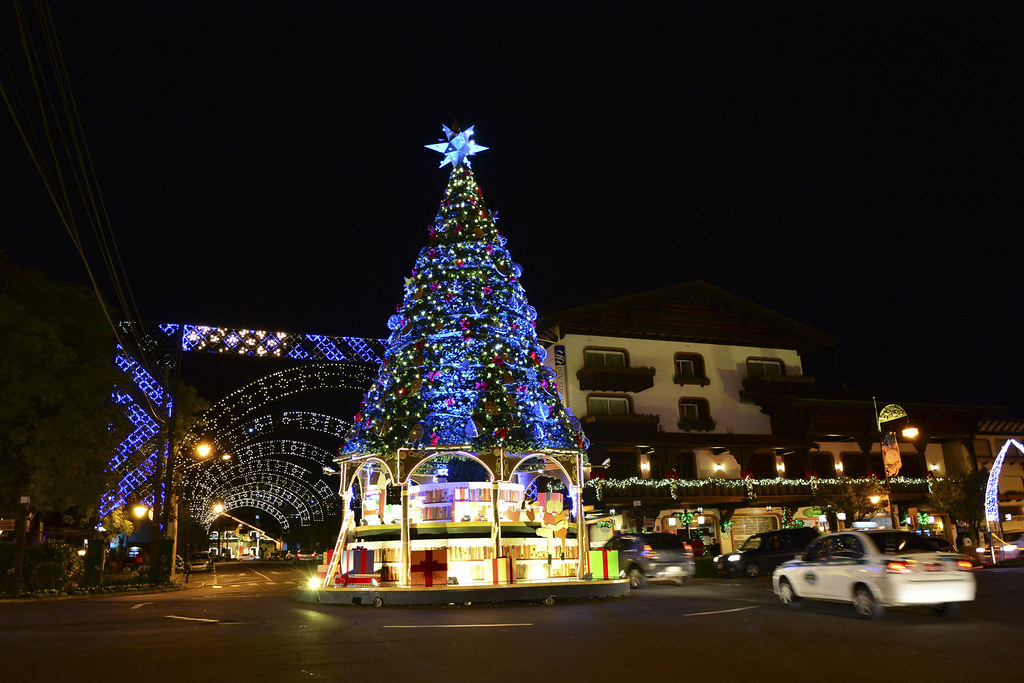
(992, 487)
(280, 473)
(434, 455)
(274, 423)
(565, 476)
(235, 502)
(374, 461)
(240, 405)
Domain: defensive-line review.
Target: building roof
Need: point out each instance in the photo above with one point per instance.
(693, 311)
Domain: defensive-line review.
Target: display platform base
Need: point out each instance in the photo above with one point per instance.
(547, 592)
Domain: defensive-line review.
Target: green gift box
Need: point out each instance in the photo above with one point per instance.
(604, 564)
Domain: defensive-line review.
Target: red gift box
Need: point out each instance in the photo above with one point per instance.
(429, 567)
(355, 579)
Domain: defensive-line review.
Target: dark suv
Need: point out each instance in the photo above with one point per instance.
(653, 557)
(763, 552)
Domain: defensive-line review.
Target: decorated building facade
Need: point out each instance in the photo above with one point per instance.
(702, 421)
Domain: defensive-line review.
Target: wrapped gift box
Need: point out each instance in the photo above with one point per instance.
(356, 579)
(499, 570)
(321, 572)
(550, 502)
(358, 561)
(429, 567)
(604, 564)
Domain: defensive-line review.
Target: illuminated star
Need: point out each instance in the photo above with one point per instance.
(459, 146)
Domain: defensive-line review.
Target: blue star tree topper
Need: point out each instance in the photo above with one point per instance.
(458, 147)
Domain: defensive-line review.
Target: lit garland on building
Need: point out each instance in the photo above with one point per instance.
(679, 487)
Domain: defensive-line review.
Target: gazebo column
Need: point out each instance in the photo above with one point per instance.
(581, 528)
(405, 578)
(496, 518)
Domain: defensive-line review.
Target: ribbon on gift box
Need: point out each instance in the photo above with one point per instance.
(359, 561)
(500, 570)
(550, 502)
(604, 563)
(428, 567)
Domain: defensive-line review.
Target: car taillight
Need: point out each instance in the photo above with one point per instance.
(688, 549)
(648, 550)
(897, 567)
(964, 564)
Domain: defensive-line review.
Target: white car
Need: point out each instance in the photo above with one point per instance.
(874, 570)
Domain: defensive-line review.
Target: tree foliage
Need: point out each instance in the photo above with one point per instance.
(852, 496)
(962, 497)
(58, 425)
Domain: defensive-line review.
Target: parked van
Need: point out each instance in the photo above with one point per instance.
(763, 552)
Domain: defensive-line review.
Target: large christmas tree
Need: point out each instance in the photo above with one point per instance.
(463, 369)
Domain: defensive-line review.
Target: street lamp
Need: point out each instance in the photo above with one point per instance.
(891, 461)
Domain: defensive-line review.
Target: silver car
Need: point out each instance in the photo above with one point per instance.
(653, 557)
(200, 562)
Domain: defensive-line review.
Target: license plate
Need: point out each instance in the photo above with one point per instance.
(673, 570)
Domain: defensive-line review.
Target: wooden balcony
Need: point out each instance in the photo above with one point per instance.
(631, 426)
(616, 379)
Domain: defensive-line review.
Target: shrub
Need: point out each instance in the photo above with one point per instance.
(51, 565)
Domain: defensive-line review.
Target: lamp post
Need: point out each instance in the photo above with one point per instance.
(889, 416)
(203, 451)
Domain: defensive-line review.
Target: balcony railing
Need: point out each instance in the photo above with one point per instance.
(630, 425)
(634, 379)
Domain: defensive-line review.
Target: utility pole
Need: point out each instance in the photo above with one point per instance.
(22, 523)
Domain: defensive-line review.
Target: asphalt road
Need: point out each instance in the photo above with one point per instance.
(242, 622)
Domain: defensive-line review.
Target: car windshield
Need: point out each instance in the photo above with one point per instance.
(892, 542)
(752, 543)
(199, 556)
(663, 541)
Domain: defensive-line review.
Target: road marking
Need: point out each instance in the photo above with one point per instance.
(721, 611)
(263, 575)
(456, 626)
(175, 616)
(141, 604)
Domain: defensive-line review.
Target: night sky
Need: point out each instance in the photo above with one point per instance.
(851, 165)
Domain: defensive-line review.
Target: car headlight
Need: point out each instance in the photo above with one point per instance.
(717, 558)
(734, 557)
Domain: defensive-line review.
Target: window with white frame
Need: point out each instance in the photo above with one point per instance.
(689, 367)
(689, 410)
(764, 367)
(609, 405)
(605, 358)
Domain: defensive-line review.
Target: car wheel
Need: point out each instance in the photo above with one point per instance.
(866, 605)
(751, 570)
(636, 577)
(788, 596)
(947, 610)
